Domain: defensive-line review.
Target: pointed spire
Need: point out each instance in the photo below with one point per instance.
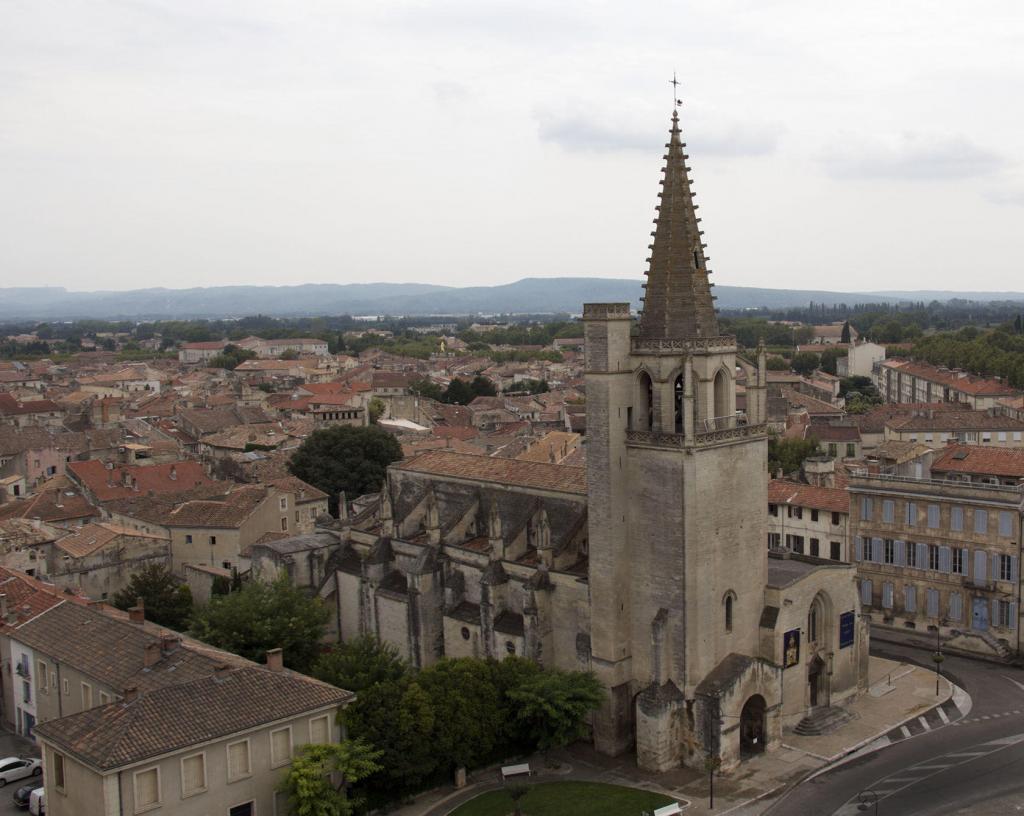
(678, 303)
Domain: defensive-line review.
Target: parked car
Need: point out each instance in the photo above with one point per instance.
(37, 802)
(23, 794)
(14, 768)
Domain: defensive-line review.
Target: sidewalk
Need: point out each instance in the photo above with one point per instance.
(899, 694)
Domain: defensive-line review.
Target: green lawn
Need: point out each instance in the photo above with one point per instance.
(567, 799)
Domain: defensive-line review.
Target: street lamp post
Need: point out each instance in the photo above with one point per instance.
(711, 764)
(867, 799)
(938, 657)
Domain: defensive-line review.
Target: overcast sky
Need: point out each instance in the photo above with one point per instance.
(855, 146)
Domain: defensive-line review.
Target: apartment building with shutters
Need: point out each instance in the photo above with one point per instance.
(943, 552)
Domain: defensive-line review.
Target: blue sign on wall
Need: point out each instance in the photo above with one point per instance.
(791, 648)
(846, 629)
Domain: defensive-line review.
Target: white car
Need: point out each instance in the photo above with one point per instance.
(14, 768)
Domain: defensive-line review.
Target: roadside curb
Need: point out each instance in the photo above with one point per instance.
(960, 699)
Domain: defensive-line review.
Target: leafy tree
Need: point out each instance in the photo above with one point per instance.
(530, 386)
(376, 409)
(458, 392)
(483, 387)
(804, 363)
(828, 359)
(168, 602)
(361, 663)
(343, 458)
(775, 363)
(467, 711)
(231, 357)
(426, 388)
(308, 784)
(262, 616)
(845, 336)
(1018, 324)
(398, 717)
(789, 454)
(555, 704)
(289, 354)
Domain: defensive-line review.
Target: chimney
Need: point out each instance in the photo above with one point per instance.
(169, 641)
(137, 614)
(153, 654)
(221, 671)
(342, 506)
(275, 659)
(130, 694)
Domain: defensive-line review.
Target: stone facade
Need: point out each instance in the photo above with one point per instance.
(649, 568)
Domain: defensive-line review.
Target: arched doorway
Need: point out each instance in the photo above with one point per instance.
(753, 726)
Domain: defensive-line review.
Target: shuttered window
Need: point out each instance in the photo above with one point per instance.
(980, 566)
(933, 603)
(887, 595)
(238, 760)
(945, 559)
(981, 521)
(910, 598)
(280, 747)
(147, 789)
(933, 516)
(865, 593)
(193, 774)
(956, 519)
(911, 517)
(876, 550)
(320, 730)
(956, 606)
(1005, 523)
(901, 553)
(888, 511)
(867, 508)
(960, 558)
(922, 556)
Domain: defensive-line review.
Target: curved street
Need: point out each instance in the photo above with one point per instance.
(973, 766)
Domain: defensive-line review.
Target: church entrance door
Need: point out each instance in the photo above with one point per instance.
(753, 726)
(815, 674)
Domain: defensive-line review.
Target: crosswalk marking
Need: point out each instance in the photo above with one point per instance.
(924, 723)
(942, 715)
(905, 730)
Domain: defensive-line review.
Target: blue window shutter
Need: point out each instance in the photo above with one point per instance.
(1013, 568)
(911, 513)
(888, 507)
(995, 612)
(876, 550)
(933, 603)
(1013, 615)
(922, 556)
(956, 606)
(995, 567)
(933, 515)
(887, 595)
(901, 552)
(910, 598)
(859, 549)
(956, 519)
(980, 566)
(945, 559)
(865, 592)
(980, 521)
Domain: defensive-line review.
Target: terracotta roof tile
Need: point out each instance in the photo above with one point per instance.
(540, 475)
(830, 499)
(981, 460)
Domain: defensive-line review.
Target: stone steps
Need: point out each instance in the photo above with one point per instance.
(823, 720)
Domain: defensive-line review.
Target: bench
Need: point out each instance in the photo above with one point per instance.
(509, 771)
(668, 810)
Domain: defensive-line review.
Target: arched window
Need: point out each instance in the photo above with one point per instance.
(644, 401)
(727, 603)
(812, 624)
(722, 408)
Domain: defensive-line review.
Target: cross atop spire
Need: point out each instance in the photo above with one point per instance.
(677, 302)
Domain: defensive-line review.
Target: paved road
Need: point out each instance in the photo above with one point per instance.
(975, 766)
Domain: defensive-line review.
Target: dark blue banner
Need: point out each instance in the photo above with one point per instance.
(847, 621)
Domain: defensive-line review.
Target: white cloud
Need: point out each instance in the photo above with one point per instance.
(913, 157)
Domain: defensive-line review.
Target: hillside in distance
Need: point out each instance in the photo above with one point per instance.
(529, 295)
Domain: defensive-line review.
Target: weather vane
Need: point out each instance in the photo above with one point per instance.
(676, 101)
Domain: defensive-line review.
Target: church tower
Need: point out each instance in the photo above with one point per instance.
(677, 485)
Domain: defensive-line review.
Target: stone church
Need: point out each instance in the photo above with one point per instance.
(650, 566)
